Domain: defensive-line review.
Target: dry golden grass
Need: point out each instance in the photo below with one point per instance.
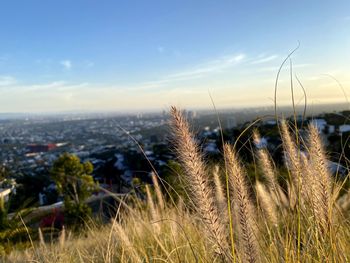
(198, 181)
(304, 223)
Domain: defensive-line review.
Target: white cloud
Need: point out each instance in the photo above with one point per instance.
(237, 58)
(67, 64)
(7, 81)
(315, 78)
(51, 85)
(264, 59)
(60, 86)
(275, 69)
(209, 67)
(196, 72)
(61, 95)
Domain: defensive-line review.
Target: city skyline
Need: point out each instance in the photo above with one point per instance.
(110, 56)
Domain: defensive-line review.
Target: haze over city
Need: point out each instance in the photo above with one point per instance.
(133, 55)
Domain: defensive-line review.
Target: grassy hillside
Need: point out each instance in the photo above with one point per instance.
(222, 217)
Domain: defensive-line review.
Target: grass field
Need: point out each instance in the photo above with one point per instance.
(223, 217)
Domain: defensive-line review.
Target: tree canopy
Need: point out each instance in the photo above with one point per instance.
(75, 182)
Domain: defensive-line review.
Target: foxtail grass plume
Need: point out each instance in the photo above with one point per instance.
(126, 243)
(151, 204)
(265, 163)
(198, 181)
(323, 186)
(219, 190)
(267, 167)
(243, 205)
(266, 203)
(158, 191)
(292, 155)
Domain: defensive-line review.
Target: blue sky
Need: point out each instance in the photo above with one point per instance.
(131, 55)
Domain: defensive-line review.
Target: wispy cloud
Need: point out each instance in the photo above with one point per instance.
(67, 64)
(209, 67)
(54, 86)
(160, 49)
(89, 64)
(275, 68)
(196, 72)
(7, 81)
(264, 59)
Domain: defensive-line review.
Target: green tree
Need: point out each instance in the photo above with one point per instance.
(75, 182)
(12, 231)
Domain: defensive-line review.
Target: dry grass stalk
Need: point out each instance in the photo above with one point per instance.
(243, 205)
(62, 238)
(41, 238)
(158, 191)
(292, 155)
(344, 202)
(290, 150)
(266, 203)
(126, 243)
(309, 193)
(219, 190)
(150, 203)
(197, 180)
(266, 165)
(323, 181)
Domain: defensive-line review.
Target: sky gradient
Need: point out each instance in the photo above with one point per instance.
(131, 55)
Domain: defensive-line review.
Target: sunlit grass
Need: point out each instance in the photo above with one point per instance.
(306, 221)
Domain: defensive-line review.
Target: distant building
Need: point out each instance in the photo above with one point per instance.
(270, 122)
(211, 147)
(331, 128)
(36, 148)
(344, 128)
(231, 123)
(191, 114)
